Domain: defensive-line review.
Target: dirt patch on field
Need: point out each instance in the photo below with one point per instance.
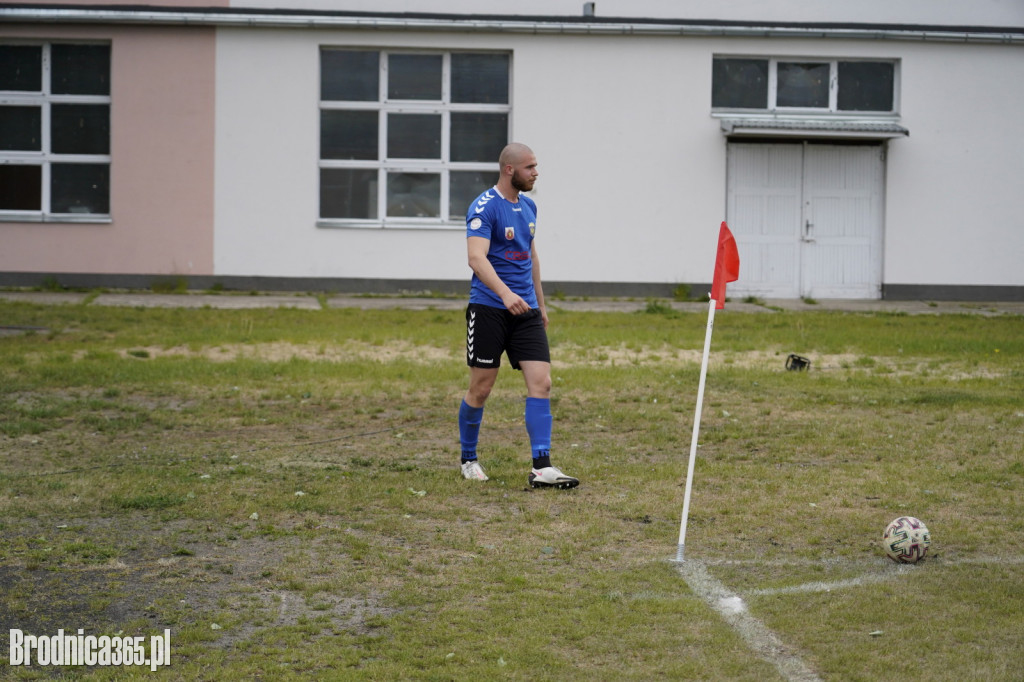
(283, 352)
(226, 586)
(573, 355)
(563, 355)
(569, 355)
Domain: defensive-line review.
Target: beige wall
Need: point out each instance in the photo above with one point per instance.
(162, 139)
(107, 4)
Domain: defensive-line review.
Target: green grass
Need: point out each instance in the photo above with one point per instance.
(290, 477)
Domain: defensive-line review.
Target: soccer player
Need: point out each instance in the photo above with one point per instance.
(506, 314)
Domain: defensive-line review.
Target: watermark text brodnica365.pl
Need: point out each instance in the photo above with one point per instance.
(89, 650)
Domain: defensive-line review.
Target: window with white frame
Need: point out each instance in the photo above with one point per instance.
(54, 131)
(803, 85)
(409, 138)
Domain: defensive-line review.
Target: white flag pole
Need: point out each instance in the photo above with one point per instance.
(696, 430)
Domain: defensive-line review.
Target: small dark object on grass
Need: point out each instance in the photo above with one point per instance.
(797, 363)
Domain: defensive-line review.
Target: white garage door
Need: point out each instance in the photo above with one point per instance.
(807, 219)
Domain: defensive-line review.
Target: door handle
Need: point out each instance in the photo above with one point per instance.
(808, 226)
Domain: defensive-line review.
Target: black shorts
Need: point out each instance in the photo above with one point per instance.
(491, 331)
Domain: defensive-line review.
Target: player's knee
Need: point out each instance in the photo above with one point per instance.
(480, 390)
(478, 395)
(540, 387)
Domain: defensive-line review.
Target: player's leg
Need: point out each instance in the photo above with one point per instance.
(484, 339)
(471, 411)
(528, 351)
(539, 425)
(537, 416)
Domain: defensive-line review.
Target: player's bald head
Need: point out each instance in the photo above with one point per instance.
(513, 154)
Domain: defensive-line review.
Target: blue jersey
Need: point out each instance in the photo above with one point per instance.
(510, 227)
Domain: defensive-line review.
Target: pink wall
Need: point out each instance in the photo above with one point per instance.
(162, 140)
(160, 3)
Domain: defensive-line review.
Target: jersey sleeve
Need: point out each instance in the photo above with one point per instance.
(480, 220)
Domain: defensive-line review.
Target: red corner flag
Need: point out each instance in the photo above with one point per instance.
(727, 265)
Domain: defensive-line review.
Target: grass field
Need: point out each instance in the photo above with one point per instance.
(280, 489)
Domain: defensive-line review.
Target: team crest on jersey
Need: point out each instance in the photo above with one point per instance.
(510, 233)
(475, 224)
(533, 229)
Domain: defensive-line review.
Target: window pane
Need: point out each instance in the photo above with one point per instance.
(80, 128)
(350, 76)
(21, 68)
(348, 135)
(348, 193)
(414, 195)
(865, 86)
(480, 78)
(414, 136)
(478, 137)
(21, 188)
(464, 187)
(802, 85)
(80, 69)
(739, 83)
(21, 128)
(414, 76)
(80, 188)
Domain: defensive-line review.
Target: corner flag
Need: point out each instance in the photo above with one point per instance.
(727, 269)
(727, 265)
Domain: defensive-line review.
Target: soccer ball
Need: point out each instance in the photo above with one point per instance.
(906, 540)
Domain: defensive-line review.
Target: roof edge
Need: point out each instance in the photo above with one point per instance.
(293, 18)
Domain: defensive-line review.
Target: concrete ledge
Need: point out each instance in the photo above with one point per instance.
(309, 301)
(951, 292)
(353, 285)
(340, 285)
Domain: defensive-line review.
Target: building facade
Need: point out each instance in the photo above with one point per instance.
(337, 146)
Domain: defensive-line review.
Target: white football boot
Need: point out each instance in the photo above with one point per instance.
(472, 471)
(550, 477)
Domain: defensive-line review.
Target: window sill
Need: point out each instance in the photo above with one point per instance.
(392, 224)
(34, 217)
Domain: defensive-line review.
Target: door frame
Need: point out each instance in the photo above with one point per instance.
(772, 251)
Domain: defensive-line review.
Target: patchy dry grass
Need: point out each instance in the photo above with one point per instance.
(280, 489)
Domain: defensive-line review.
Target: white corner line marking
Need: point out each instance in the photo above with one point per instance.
(757, 636)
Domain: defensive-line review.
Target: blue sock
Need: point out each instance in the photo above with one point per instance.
(469, 430)
(538, 426)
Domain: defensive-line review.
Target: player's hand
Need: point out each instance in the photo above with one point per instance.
(515, 303)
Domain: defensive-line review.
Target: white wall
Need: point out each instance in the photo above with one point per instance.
(956, 185)
(632, 165)
(627, 156)
(267, 198)
(266, 152)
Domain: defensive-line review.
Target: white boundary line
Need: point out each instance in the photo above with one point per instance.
(887, 571)
(757, 636)
(826, 586)
(766, 643)
(870, 562)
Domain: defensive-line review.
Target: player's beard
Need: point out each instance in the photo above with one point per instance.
(522, 184)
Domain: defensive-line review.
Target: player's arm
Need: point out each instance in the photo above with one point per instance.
(537, 287)
(477, 248)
